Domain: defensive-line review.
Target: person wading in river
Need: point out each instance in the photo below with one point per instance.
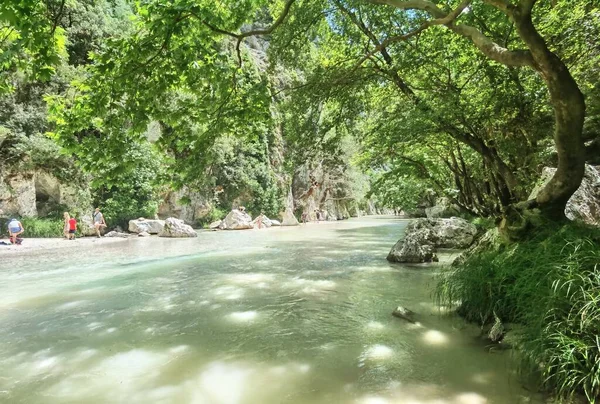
(99, 221)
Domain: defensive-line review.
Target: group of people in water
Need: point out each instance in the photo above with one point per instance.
(16, 229)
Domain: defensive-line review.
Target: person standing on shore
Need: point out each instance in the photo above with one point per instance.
(72, 228)
(66, 218)
(99, 221)
(15, 228)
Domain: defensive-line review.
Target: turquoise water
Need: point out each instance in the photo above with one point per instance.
(290, 315)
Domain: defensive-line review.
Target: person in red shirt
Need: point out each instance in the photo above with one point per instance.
(72, 228)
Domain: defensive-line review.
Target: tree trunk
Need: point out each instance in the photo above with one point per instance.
(569, 113)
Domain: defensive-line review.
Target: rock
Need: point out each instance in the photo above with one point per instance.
(289, 219)
(442, 208)
(237, 220)
(584, 205)
(404, 313)
(176, 228)
(141, 225)
(275, 222)
(185, 204)
(86, 227)
(410, 250)
(423, 236)
(265, 221)
(17, 195)
(144, 234)
(215, 225)
(116, 234)
(490, 241)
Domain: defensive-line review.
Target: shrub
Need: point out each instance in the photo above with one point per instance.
(35, 227)
(551, 285)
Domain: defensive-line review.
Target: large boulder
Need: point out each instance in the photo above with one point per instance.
(423, 236)
(412, 250)
(237, 220)
(289, 219)
(584, 205)
(17, 194)
(443, 208)
(215, 225)
(176, 228)
(264, 220)
(152, 226)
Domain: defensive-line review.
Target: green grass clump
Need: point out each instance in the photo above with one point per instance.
(551, 285)
(35, 227)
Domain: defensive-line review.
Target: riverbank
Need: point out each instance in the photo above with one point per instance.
(40, 246)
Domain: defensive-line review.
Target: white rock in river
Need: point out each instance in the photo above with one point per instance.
(275, 222)
(237, 220)
(151, 226)
(177, 228)
(144, 234)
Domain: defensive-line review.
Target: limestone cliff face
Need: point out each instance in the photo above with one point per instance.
(38, 193)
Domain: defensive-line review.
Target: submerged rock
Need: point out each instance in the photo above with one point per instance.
(141, 225)
(584, 204)
(404, 313)
(144, 234)
(237, 220)
(423, 236)
(176, 228)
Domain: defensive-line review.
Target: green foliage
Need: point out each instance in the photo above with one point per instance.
(43, 228)
(551, 285)
(133, 192)
(212, 216)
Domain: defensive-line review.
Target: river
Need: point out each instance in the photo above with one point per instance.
(285, 315)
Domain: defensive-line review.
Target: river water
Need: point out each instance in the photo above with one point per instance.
(285, 315)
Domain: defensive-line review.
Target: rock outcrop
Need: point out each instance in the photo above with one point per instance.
(185, 205)
(152, 226)
(443, 208)
(423, 236)
(237, 220)
(584, 205)
(289, 219)
(176, 228)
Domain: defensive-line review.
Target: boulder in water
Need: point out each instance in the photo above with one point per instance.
(404, 313)
(423, 236)
(144, 234)
(176, 228)
(237, 220)
(412, 250)
(275, 222)
(152, 226)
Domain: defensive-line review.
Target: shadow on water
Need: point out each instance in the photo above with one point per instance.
(299, 316)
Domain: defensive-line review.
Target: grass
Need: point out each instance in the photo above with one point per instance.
(549, 284)
(35, 227)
